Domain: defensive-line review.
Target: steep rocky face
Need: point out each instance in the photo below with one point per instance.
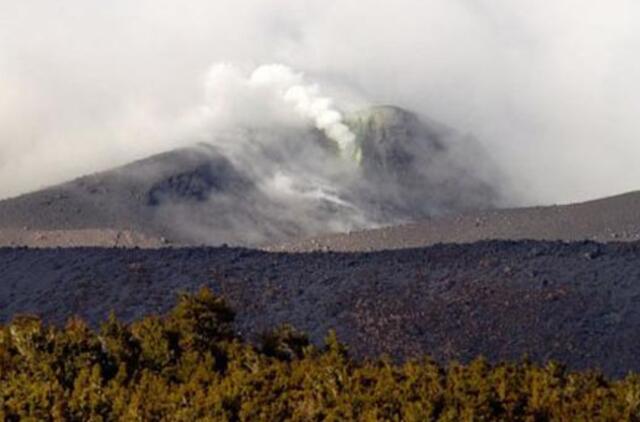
(415, 167)
(388, 138)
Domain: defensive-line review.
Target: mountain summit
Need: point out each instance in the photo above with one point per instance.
(270, 187)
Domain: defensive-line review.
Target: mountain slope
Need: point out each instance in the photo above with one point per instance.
(574, 302)
(609, 219)
(264, 186)
(127, 198)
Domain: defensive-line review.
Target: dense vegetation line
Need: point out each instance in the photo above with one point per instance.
(189, 366)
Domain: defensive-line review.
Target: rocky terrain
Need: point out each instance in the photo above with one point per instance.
(574, 302)
(107, 238)
(604, 220)
(93, 209)
(615, 219)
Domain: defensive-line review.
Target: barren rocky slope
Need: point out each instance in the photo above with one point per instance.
(89, 210)
(574, 302)
(604, 220)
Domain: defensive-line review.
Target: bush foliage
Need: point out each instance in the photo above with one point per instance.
(189, 366)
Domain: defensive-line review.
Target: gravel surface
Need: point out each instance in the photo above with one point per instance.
(610, 219)
(77, 238)
(575, 302)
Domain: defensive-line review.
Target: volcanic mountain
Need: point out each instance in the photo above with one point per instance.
(285, 185)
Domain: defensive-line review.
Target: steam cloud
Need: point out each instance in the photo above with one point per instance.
(230, 94)
(551, 89)
(308, 102)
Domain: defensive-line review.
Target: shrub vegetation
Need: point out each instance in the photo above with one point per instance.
(190, 366)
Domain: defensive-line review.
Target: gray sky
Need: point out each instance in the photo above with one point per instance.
(551, 89)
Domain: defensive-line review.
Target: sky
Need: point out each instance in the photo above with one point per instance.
(550, 89)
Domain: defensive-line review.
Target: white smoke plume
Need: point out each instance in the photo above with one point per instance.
(266, 96)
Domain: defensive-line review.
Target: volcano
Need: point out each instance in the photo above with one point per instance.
(404, 171)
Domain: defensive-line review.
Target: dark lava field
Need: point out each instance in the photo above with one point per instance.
(578, 302)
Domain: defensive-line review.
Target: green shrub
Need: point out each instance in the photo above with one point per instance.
(189, 366)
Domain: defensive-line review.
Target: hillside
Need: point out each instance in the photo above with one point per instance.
(127, 199)
(572, 302)
(605, 220)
